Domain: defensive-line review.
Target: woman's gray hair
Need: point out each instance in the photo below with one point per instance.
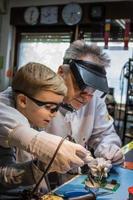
(79, 48)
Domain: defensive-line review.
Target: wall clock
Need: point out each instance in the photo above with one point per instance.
(72, 14)
(31, 15)
(49, 15)
(97, 12)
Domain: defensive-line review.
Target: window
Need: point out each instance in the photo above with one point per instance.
(118, 57)
(47, 48)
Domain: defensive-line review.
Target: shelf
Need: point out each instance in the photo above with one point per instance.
(128, 111)
(129, 121)
(129, 135)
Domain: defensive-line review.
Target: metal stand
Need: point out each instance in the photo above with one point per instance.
(128, 115)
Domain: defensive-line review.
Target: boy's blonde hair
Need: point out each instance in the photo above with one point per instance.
(35, 77)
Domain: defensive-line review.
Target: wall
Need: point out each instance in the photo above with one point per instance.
(5, 39)
(7, 36)
(7, 32)
(17, 3)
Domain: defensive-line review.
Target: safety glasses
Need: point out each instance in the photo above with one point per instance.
(88, 75)
(48, 105)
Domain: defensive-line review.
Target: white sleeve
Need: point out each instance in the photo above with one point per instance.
(104, 136)
(40, 144)
(10, 118)
(6, 97)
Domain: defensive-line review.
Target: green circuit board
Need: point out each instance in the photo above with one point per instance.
(111, 185)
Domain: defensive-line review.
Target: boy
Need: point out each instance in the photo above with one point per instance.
(37, 93)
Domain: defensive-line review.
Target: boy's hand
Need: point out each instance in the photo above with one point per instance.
(69, 156)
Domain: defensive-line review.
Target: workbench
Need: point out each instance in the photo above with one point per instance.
(123, 176)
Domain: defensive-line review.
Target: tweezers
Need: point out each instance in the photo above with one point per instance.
(91, 179)
(101, 173)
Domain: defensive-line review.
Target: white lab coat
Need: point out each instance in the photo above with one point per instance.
(91, 125)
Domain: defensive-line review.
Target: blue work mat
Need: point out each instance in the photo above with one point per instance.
(123, 176)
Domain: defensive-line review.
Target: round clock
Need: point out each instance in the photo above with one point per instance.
(72, 14)
(31, 15)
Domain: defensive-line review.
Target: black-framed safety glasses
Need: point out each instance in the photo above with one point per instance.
(48, 105)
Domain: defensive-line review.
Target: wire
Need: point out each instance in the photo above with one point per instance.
(49, 165)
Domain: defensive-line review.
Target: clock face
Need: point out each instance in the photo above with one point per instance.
(97, 12)
(72, 14)
(49, 15)
(31, 15)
